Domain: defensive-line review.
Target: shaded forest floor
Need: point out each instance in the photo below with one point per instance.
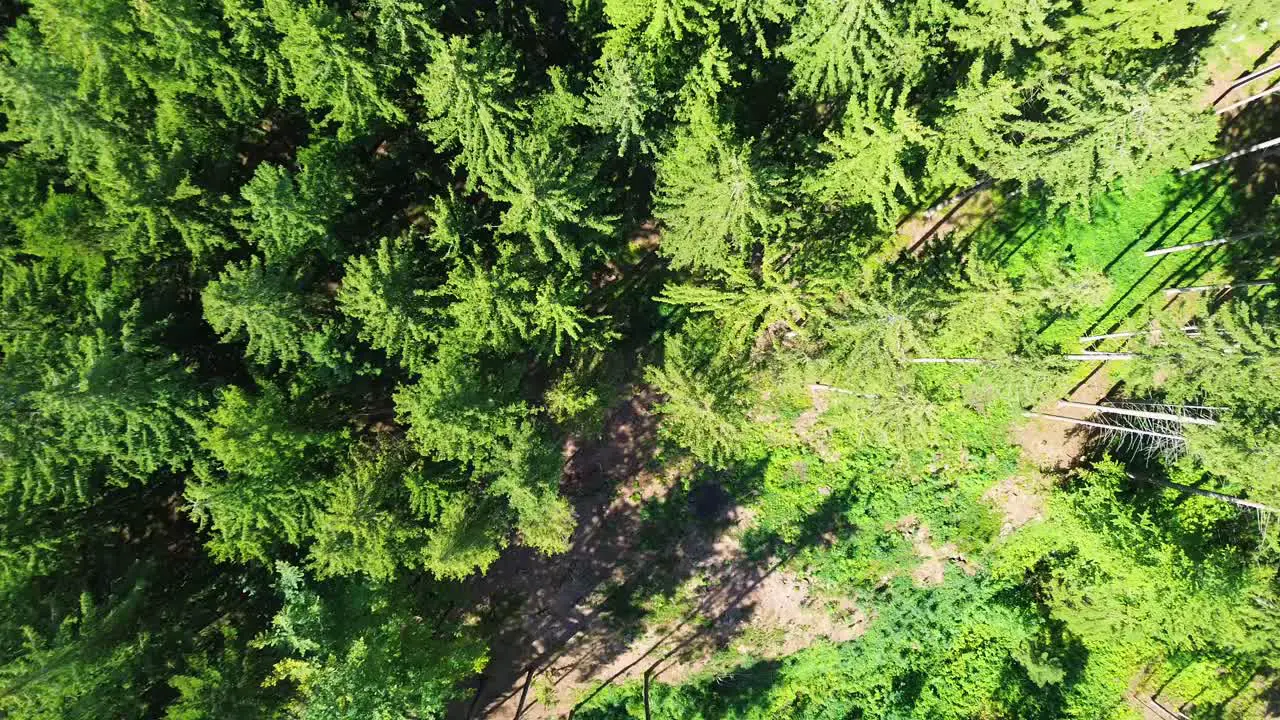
(656, 580)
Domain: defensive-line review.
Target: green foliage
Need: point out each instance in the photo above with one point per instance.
(265, 477)
(222, 684)
(348, 280)
(91, 661)
(329, 68)
(264, 306)
(856, 47)
(383, 292)
(867, 166)
(711, 196)
(705, 409)
(367, 652)
(289, 214)
(468, 92)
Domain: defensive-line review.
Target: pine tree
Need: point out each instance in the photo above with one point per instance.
(844, 48)
(712, 196)
(115, 403)
(265, 306)
(468, 90)
(750, 310)
(368, 652)
(999, 28)
(549, 196)
(1098, 130)
(293, 213)
(706, 400)
(43, 105)
(376, 516)
(265, 477)
(869, 164)
(386, 294)
(329, 66)
(224, 682)
(623, 94)
(459, 412)
(190, 60)
(659, 22)
(978, 126)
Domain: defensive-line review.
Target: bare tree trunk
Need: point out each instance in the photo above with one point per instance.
(1254, 76)
(1117, 428)
(528, 679)
(1207, 243)
(819, 387)
(1246, 101)
(1208, 494)
(1210, 288)
(1150, 415)
(647, 716)
(1232, 156)
(1191, 330)
(1092, 356)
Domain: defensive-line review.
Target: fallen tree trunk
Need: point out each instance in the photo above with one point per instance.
(1207, 243)
(1190, 330)
(1103, 426)
(1232, 156)
(1246, 101)
(1239, 502)
(1091, 356)
(1210, 288)
(1149, 414)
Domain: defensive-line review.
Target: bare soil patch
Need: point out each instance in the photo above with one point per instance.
(1019, 501)
(933, 559)
(560, 623)
(1055, 446)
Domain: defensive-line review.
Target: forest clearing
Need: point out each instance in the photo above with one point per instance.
(640, 359)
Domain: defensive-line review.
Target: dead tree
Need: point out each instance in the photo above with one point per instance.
(1207, 243)
(1099, 356)
(1190, 330)
(1171, 292)
(819, 387)
(1232, 156)
(1148, 414)
(1238, 502)
(1246, 101)
(1150, 441)
(950, 361)
(1078, 357)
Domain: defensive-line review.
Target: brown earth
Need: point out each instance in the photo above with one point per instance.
(561, 626)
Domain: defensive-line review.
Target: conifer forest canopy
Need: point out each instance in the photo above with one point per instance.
(647, 359)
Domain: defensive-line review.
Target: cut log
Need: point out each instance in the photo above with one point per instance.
(1149, 414)
(1195, 245)
(1211, 288)
(1232, 156)
(1103, 426)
